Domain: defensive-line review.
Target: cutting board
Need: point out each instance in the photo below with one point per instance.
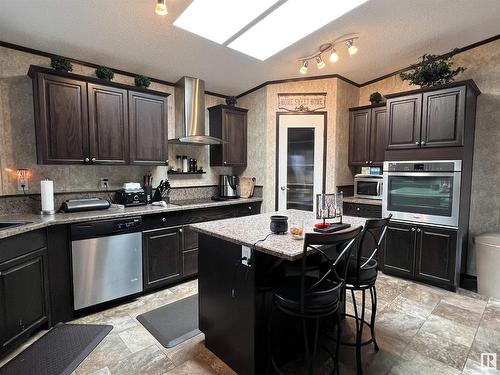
(247, 186)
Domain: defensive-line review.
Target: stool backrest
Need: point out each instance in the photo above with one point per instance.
(332, 268)
(371, 238)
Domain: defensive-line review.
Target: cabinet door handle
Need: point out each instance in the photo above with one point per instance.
(357, 208)
(413, 229)
(417, 143)
(93, 160)
(1, 274)
(366, 162)
(371, 162)
(166, 162)
(422, 143)
(163, 220)
(225, 162)
(86, 160)
(418, 230)
(181, 230)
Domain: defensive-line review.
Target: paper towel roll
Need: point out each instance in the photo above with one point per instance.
(47, 192)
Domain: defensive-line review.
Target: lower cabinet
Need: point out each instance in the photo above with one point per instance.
(362, 210)
(161, 252)
(422, 253)
(24, 298)
(190, 252)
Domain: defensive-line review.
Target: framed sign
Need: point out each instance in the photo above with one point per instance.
(308, 102)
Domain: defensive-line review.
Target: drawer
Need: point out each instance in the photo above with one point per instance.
(24, 243)
(208, 214)
(190, 262)
(248, 209)
(362, 210)
(163, 220)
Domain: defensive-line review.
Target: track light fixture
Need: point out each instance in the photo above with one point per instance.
(303, 68)
(347, 40)
(161, 7)
(319, 62)
(351, 48)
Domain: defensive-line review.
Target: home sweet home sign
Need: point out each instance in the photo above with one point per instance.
(309, 102)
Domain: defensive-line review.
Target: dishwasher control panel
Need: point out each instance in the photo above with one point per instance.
(101, 228)
(128, 224)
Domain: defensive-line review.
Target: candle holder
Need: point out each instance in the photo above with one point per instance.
(329, 206)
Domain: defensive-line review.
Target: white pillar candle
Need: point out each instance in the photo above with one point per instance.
(47, 192)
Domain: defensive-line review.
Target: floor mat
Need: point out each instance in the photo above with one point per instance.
(59, 351)
(173, 323)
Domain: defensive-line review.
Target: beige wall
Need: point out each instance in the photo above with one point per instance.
(262, 105)
(483, 66)
(17, 140)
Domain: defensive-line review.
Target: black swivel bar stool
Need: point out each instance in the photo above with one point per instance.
(316, 292)
(361, 276)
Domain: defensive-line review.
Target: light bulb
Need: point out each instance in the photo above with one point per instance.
(303, 68)
(161, 8)
(351, 48)
(334, 57)
(319, 62)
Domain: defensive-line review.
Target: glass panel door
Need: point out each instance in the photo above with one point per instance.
(300, 161)
(300, 169)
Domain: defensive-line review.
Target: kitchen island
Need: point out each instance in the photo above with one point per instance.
(235, 298)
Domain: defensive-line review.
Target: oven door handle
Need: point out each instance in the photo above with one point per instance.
(378, 189)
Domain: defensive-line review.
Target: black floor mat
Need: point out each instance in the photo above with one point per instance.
(59, 351)
(173, 323)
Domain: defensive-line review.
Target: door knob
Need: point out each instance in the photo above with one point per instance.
(283, 188)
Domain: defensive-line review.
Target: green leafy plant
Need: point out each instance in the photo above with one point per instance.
(103, 72)
(61, 63)
(142, 81)
(376, 97)
(231, 100)
(433, 70)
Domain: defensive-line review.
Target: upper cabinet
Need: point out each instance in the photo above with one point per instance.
(367, 135)
(431, 117)
(84, 120)
(230, 124)
(148, 128)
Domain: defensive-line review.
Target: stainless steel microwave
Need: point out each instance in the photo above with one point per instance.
(368, 186)
(423, 191)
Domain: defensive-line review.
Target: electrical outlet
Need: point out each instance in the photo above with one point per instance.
(104, 183)
(22, 184)
(246, 254)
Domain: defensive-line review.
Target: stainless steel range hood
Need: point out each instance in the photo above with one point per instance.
(190, 113)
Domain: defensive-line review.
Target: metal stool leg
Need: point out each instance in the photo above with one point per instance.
(373, 295)
(337, 349)
(306, 343)
(359, 334)
(315, 346)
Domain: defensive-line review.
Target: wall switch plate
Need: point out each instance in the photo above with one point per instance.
(246, 254)
(104, 183)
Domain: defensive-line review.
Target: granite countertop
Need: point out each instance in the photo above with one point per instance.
(35, 221)
(250, 230)
(372, 202)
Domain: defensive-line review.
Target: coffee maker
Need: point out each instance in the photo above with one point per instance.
(229, 187)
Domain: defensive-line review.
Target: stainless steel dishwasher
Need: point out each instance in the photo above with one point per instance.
(106, 259)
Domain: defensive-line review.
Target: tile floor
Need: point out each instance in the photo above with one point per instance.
(420, 330)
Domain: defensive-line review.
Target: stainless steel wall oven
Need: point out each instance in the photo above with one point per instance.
(423, 191)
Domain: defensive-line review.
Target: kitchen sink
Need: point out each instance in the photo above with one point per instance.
(11, 224)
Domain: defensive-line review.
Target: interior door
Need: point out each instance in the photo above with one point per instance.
(300, 160)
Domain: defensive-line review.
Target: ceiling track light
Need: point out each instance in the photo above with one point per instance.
(161, 7)
(347, 40)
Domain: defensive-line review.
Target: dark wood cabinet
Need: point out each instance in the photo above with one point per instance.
(84, 120)
(190, 251)
(162, 257)
(367, 135)
(443, 117)
(403, 122)
(399, 249)
(148, 129)
(108, 124)
(230, 124)
(362, 210)
(61, 120)
(421, 253)
(23, 296)
(431, 117)
(435, 257)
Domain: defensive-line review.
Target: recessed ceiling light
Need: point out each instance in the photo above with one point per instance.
(289, 23)
(220, 20)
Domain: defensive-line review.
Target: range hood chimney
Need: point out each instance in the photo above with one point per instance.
(190, 113)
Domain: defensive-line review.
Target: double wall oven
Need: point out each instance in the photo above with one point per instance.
(423, 191)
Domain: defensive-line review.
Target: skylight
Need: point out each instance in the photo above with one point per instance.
(291, 22)
(220, 20)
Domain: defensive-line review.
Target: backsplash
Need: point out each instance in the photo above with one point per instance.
(28, 204)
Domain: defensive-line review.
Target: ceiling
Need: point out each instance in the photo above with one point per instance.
(128, 35)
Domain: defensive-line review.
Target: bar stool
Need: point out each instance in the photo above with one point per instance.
(316, 292)
(362, 276)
